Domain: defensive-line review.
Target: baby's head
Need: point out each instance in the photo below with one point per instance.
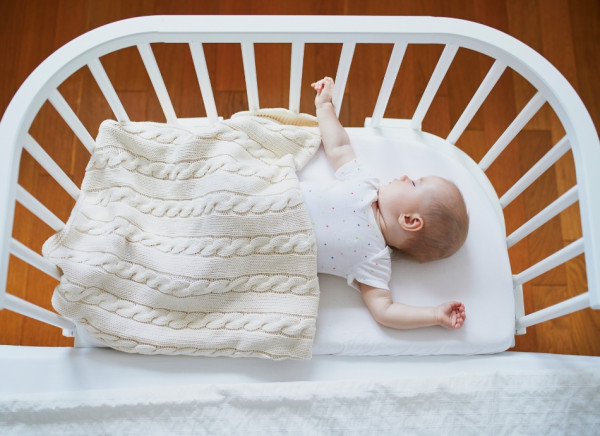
(425, 218)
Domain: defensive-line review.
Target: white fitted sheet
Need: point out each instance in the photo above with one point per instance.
(478, 274)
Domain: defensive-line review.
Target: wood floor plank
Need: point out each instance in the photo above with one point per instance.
(273, 74)
(524, 28)
(369, 66)
(585, 24)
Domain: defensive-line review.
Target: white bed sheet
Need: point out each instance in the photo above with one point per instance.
(478, 274)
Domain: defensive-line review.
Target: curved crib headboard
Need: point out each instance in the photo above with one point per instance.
(348, 31)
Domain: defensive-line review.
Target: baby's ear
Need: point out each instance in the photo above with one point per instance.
(411, 222)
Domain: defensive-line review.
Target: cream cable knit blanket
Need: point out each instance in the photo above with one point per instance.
(194, 242)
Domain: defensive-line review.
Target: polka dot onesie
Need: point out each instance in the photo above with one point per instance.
(349, 241)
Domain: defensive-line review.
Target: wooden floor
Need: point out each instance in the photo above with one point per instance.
(566, 32)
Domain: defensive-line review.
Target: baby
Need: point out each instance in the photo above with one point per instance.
(355, 220)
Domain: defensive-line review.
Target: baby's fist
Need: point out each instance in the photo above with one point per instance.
(451, 314)
(324, 89)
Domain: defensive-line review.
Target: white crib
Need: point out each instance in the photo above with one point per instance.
(91, 377)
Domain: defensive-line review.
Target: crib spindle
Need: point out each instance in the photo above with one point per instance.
(26, 308)
(511, 132)
(208, 97)
(556, 207)
(341, 76)
(477, 100)
(249, 62)
(65, 111)
(391, 73)
(37, 208)
(434, 83)
(296, 75)
(565, 307)
(31, 257)
(44, 159)
(561, 256)
(157, 82)
(537, 170)
(107, 89)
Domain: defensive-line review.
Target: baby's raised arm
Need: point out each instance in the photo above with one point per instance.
(335, 139)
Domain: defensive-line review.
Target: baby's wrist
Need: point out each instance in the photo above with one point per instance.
(437, 316)
(324, 105)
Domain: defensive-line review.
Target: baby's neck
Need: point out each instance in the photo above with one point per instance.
(378, 219)
(385, 231)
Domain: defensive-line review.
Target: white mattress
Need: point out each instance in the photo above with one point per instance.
(478, 274)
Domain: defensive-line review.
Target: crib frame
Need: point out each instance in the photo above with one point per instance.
(85, 51)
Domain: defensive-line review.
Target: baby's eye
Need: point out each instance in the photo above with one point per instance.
(413, 182)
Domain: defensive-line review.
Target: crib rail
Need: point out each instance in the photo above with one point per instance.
(400, 32)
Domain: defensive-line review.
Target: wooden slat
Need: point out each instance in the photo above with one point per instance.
(515, 127)
(296, 75)
(65, 111)
(250, 75)
(31, 257)
(158, 82)
(535, 171)
(204, 81)
(31, 310)
(107, 89)
(40, 155)
(341, 76)
(391, 73)
(434, 83)
(561, 256)
(478, 98)
(553, 209)
(38, 209)
(564, 307)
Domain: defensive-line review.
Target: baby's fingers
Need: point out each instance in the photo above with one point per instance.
(318, 86)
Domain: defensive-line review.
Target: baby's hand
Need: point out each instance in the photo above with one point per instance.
(451, 314)
(324, 88)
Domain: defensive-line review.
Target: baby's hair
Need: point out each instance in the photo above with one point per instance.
(446, 224)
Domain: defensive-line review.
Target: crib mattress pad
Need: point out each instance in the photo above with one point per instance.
(478, 274)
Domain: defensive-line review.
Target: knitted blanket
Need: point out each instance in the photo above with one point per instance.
(194, 242)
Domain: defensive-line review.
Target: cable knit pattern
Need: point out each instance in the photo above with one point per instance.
(218, 201)
(194, 241)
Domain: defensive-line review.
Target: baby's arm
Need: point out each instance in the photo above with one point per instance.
(335, 139)
(401, 316)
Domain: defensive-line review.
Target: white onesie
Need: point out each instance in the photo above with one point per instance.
(349, 241)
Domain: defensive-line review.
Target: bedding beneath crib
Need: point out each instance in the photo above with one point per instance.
(501, 401)
(194, 242)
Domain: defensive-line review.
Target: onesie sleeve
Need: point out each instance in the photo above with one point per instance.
(354, 169)
(376, 271)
